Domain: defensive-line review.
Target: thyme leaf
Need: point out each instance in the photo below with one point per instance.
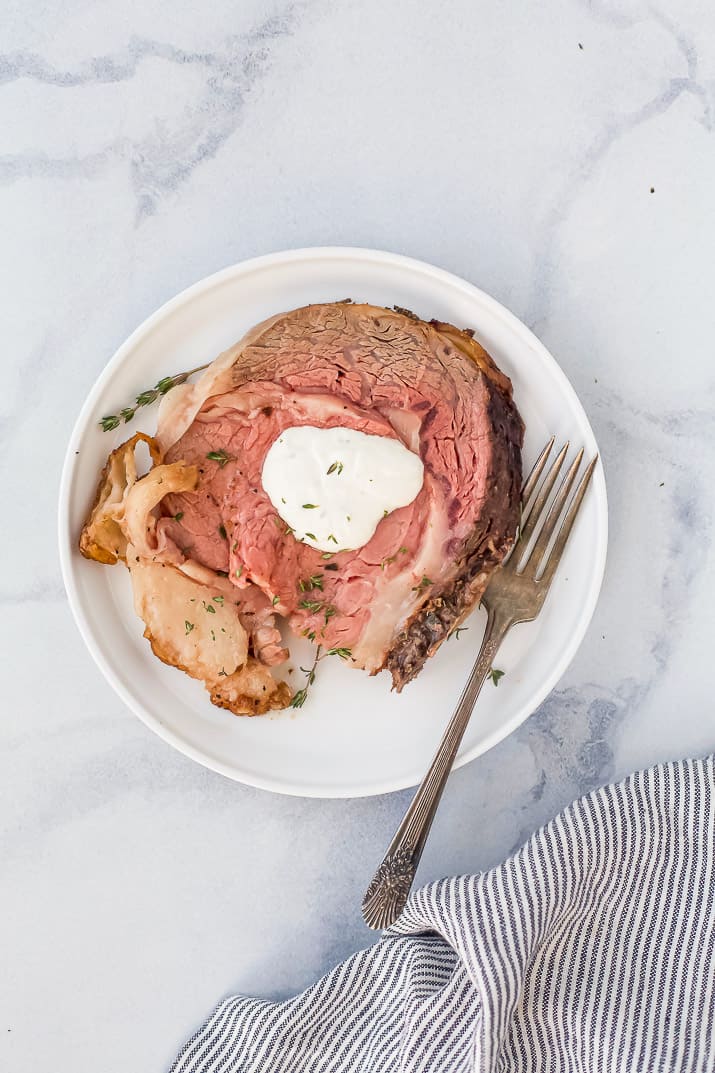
(146, 398)
(222, 457)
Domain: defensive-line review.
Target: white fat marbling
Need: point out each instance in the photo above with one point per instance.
(558, 155)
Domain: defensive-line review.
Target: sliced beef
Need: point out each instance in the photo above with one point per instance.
(385, 372)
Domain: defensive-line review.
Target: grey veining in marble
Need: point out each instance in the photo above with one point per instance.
(559, 155)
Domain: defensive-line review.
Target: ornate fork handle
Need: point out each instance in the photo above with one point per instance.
(390, 886)
(515, 593)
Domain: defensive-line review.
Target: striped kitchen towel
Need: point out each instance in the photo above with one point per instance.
(591, 949)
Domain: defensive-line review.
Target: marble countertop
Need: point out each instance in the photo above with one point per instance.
(559, 156)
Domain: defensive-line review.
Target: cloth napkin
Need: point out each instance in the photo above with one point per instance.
(591, 949)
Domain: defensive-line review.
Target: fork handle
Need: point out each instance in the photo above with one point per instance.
(387, 893)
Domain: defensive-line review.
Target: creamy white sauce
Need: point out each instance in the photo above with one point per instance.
(333, 486)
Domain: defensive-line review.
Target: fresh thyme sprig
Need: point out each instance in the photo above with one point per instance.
(146, 398)
(301, 695)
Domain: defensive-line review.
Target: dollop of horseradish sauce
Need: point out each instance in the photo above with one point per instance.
(333, 486)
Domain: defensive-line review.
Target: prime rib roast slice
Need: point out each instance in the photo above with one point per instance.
(393, 601)
(212, 562)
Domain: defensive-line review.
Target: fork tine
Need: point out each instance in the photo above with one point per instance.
(542, 541)
(565, 530)
(532, 518)
(530, 482)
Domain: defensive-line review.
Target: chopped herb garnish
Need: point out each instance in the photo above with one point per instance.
(495, 675)
(331, 537)
(189, 626)
(222, 457)
(282, 499)
(335, 467)
(234, 545)
(329, 612)
(344, 653)
(179, 516)
(217, 599)
(146, 398)
(457, 630)
(347, 517)
(313, 582)
(209, 607)
(311, 605)
(424, 584)
(310, 506)
(239, 571)
(312, 536)
(213, 635)
(385, 513)
(386, 562)
(327, 555)
(288, 530)
(276, 600)
(222, 532)
(402, 550)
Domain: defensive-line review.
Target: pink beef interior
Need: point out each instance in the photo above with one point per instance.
(386, 374)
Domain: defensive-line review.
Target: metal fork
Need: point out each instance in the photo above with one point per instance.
(516, 593)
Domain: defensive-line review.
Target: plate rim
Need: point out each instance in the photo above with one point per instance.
(67, 545)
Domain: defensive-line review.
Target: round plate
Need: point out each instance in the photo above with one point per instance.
(353, 737)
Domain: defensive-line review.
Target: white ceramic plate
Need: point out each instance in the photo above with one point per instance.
(353, 737)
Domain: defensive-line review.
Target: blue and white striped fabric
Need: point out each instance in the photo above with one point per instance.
(591, 949)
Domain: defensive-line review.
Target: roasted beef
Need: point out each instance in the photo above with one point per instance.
(393, 601)
(211, 560)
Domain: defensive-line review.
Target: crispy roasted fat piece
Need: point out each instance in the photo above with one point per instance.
(102, 536)
(195, 619)
(198, 630)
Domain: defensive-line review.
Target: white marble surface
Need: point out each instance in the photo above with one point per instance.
(146, 145)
